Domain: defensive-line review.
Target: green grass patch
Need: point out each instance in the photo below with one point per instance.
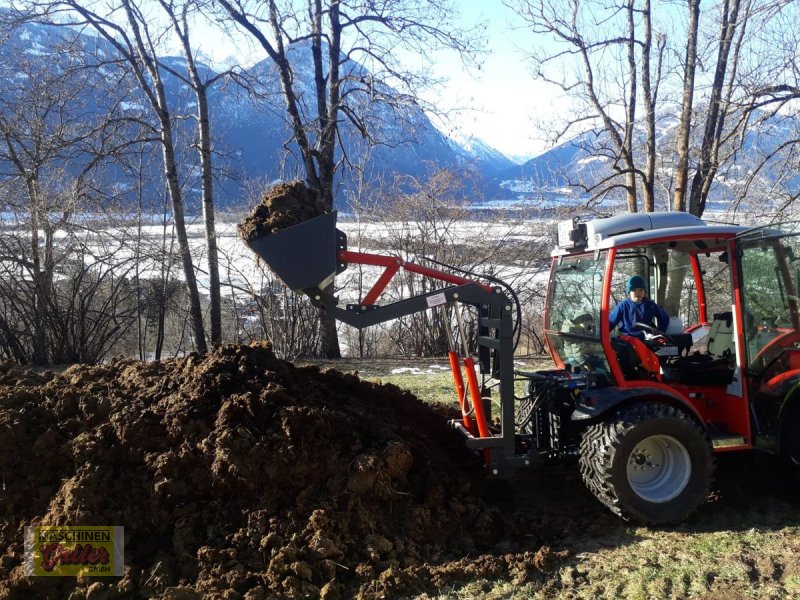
(432, 381)
(436, 388)
(681, 564)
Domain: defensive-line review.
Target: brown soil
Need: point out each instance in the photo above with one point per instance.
(282, 206)
(240, 475)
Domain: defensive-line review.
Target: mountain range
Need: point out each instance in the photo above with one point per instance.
(252, 139)
(761, 163)
(253, 143)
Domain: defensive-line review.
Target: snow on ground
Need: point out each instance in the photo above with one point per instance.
(431, 370)
(243, 275)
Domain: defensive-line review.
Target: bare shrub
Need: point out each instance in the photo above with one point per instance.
(433, 222)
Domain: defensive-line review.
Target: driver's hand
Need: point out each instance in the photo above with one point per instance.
(654, 340)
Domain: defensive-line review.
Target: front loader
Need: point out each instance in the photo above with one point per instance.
(643, 419)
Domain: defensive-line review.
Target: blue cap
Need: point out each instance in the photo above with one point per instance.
(634, 283)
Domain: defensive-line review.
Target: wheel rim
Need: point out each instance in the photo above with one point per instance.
(659, 468)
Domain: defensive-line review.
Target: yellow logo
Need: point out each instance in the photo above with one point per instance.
(58, 551)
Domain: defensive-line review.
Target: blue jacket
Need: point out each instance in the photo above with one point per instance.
(628, 312)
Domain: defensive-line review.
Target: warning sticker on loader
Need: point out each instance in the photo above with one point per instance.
(436, 299)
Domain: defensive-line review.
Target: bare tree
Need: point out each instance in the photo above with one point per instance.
(602, 39)
(687, 102)
(336, 34)
(127, 28)
(733, 25)
(650, 88)
(179, 14)
(770, 79)
(51, 157)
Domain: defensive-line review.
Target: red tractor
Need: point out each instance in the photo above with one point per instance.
(643, 419)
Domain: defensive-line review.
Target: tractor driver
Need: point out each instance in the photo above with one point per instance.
(637, 308)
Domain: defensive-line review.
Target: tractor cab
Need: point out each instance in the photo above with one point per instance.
(732, 347)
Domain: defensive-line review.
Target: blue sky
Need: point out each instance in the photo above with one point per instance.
(501, 102)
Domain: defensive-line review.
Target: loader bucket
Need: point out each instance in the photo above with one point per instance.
(303, 255)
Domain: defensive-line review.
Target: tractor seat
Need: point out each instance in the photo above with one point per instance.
(720, 336)
(714, 368)
(698, 369)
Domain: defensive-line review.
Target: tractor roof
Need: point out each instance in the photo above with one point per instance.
(672, 229)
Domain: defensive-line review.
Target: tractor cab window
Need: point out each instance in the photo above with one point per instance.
(671, 283)
(626, 265)
(770, 274)
(573, 321)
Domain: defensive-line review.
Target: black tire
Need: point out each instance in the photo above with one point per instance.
(649, 462)
(790, 436)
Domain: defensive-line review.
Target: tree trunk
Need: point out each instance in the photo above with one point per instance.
(649, 98)
(329, 337)
(171, 174)
(209, 218)
(42, 273)
(678, 268)
(165, 274)
(39, 354)
(328, 110)
(630, 176)
(715, 119)
(207, 182)
(685, 126)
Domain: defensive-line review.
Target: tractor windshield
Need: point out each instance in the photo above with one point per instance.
(573, 317)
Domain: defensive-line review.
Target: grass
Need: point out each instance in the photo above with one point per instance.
(680, 564)
(431, 380)
(434, 388)
(653, 564)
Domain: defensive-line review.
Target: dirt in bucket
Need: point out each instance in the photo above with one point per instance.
(282, 206)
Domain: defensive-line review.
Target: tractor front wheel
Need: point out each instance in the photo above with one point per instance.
(648, 462)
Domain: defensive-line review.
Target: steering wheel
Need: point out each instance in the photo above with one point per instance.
(656, 333)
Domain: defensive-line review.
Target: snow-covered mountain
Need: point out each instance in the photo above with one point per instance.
(763, 163)
(252, 137)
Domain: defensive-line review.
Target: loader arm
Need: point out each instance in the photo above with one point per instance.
(309, 255)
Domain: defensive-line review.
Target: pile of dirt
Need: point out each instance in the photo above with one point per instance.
(282, 206)
(239, 475)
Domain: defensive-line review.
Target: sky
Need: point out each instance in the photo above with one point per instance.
(501, 102)
(497, 104)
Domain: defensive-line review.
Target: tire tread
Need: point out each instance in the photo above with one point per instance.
(601, 441)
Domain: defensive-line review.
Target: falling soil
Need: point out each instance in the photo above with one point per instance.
(239, 475)
(282, 206)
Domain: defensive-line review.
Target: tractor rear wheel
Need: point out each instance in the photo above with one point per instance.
(649, 462)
